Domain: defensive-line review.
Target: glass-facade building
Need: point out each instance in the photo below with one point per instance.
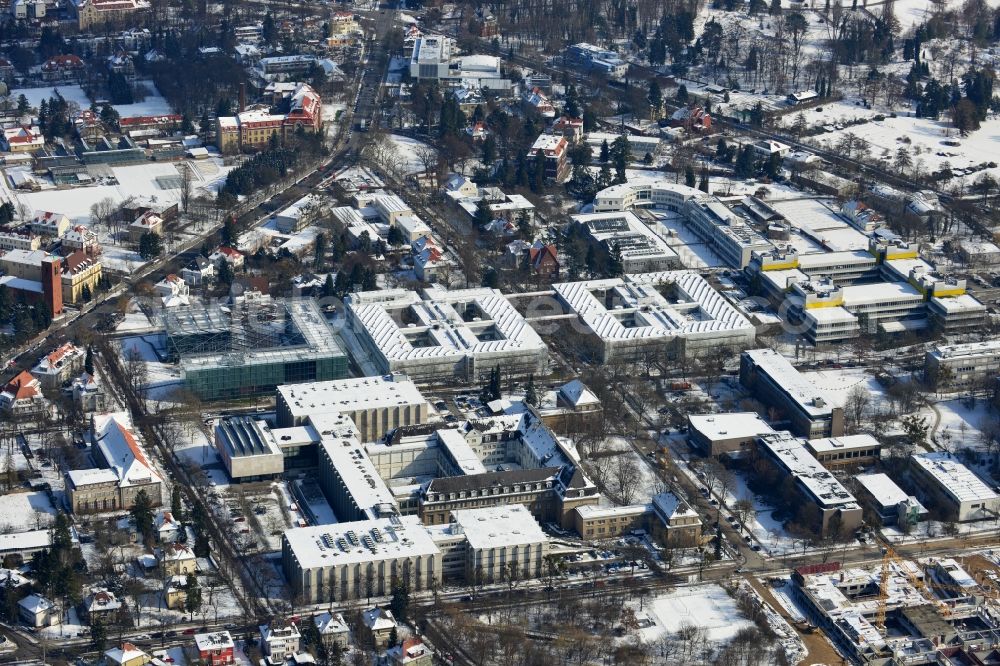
(251, 348)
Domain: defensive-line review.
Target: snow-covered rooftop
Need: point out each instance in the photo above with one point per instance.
(791, 453)
(728, 426)
(812, 399)
(448, 334)
(360, 542)
(499, 526)
(698, 309)
(347, 395)
(954, 478)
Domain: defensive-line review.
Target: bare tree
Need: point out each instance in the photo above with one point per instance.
(627, 477)
(186, 185)
(856, 407)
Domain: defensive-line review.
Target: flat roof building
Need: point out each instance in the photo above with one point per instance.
(642, 251)
(247, 449)
(890, 503)
(808, 409)
(376, 405)
(329, 563)
(717, 434)
(837, 506)
(674, 313)
(725, 232)
(941, 479)
(846, 450)
(500, 542)
(962, 364)
(437, 334)
(252, 347)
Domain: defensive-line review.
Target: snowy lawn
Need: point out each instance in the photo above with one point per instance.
(21, 512)
(708, 607)
(71, 93)
(407, 151)
(154, 104)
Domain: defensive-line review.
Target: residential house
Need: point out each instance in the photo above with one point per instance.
(461, 185)
(279, 641)
(66, 67)
(332, 629)
(177, 559)
(22, 395)
(477, 131)
(82, 239)
(172, 290)
(175, 592)
(23, 139)
(36, 611)
(121, 63)
(693, 118)
(167, 527)
(88, 395)
(553, 150)
(542, 260)
(234, 258)
(46, 223)
(101, 605)
(378, 624)
(432, 265)
(59, 365)
(148, 222)
(215, 648)
(198, 272)
(536, 99)
(571, 128)
(138, 206)
(126, 655)
(411, 652)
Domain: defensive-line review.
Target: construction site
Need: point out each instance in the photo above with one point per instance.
(899, 611)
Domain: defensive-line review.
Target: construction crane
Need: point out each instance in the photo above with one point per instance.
(890, 556)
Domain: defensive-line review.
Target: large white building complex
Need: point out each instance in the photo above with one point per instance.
(962, 364)
(885, 288)
(808, 410)
(674, 312)
(642, 251)
(437, 334)
(492, 544)
(435, 58)
(360, 559)
(376, 405)
(728, 234)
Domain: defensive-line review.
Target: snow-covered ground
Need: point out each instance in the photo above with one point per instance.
(154, 104)
(71, 93)
(162, 379)
(21, 512)
(708, 607)
(70, 627)
(959, 422)
(924, 139)
(407, 151)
